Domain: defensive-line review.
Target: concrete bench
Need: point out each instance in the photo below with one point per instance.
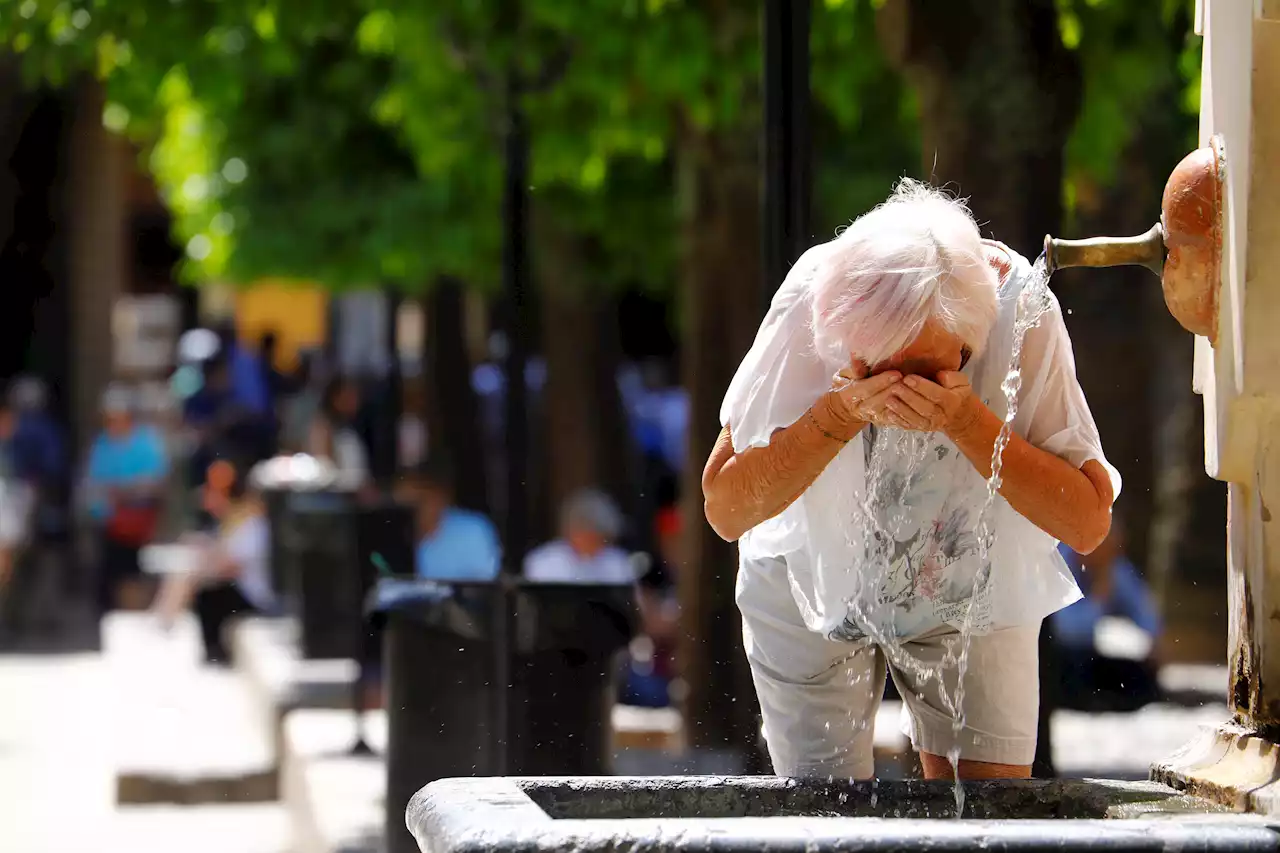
(647, 728)
(265, 652)
(183, 733)
(335, 800)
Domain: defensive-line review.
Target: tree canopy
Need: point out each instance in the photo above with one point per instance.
(354, 142)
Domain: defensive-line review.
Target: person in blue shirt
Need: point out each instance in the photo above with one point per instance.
(454, 544)
(124, 484)
(1112, 586)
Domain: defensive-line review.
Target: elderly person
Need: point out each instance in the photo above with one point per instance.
(589, 525)
(856, 500)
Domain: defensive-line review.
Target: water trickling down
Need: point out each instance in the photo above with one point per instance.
(871, 608)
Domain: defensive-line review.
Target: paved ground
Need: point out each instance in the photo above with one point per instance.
(57, 766)
(57, 775)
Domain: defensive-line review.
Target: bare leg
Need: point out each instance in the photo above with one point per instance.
(175, 596)
(938, 767)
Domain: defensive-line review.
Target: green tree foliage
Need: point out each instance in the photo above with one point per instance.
(259, 126)
(1130, 54)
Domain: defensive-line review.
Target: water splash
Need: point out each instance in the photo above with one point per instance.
(870, 608)
(1034, 300)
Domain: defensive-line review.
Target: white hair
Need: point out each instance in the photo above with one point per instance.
(593, 510)
(916, 256)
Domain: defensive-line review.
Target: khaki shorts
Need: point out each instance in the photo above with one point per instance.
(819, 697)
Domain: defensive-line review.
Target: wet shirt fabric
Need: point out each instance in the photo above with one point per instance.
(886, 538)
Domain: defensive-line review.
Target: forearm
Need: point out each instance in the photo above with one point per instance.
(1048, 491)
(742, 490)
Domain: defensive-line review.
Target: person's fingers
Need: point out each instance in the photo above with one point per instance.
(931, 391)
(876, 402)
(858, 368)
(952, 379)
(923, 406)
(911, 419)
(873, 385)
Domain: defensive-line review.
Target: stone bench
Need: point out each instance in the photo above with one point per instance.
(335, 800)
(280, 680)
(183, 733)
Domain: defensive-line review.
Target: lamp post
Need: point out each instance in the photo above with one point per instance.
(787, 140)
(515, 141)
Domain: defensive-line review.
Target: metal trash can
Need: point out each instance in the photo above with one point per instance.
(563, 673)
(439, 658)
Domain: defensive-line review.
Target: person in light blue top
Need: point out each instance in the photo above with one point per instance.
(1112, 586)
(124, 482)
(455, 544)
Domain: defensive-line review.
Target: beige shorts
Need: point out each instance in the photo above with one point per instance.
(819, 697)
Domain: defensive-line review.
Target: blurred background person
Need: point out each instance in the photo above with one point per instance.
(230, 574)
(651, 659)
(590, 524)
(123, 486)
(454, 544)
(333, 434)
(1112, 587)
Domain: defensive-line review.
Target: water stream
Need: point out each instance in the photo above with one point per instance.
(877, 518)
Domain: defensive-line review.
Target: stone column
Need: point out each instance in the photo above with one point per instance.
(1240, 379)
(97, 242)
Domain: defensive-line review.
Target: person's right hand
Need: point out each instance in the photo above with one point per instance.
(859, 399)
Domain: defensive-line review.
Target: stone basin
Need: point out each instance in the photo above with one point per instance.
(756, 813)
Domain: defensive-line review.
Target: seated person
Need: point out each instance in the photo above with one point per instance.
(1112, 587)
(652, 659)
(231, 575)
(454, 544)
(589, 525)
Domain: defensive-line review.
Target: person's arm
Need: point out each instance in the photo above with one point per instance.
(741, 490)
(1054, 477)
(1070, 504)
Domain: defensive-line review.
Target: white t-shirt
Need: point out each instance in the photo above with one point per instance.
(349, 454)
(890, 524)
(249, 546)
(557, 562)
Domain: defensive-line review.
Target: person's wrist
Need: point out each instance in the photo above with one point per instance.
(834, 418)
(966, 417)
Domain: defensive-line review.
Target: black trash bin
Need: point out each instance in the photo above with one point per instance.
(326, 575)
(439, 658)
(280, 562)
(563, 673)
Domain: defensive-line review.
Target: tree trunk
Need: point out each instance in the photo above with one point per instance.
(586, 437)
(453, 421)
(720, 271)
(998, 97)
(15, 107)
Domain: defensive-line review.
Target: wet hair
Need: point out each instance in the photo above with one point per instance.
(917, 256)
(591, 509)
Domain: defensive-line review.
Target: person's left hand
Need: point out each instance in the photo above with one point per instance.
(947, 405)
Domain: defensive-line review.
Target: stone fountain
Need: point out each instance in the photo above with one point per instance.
(1217, 252)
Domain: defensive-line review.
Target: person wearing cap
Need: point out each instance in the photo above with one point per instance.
(123, 485)
(590, 524)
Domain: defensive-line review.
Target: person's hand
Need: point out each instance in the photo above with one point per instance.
(856, 399)
(947, 405)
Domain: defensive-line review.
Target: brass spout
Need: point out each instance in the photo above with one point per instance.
(1146, 250)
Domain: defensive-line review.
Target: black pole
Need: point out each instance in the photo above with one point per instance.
(515, 291)
(787, 140)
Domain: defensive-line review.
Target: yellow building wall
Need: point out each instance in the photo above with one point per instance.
(297, 313)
